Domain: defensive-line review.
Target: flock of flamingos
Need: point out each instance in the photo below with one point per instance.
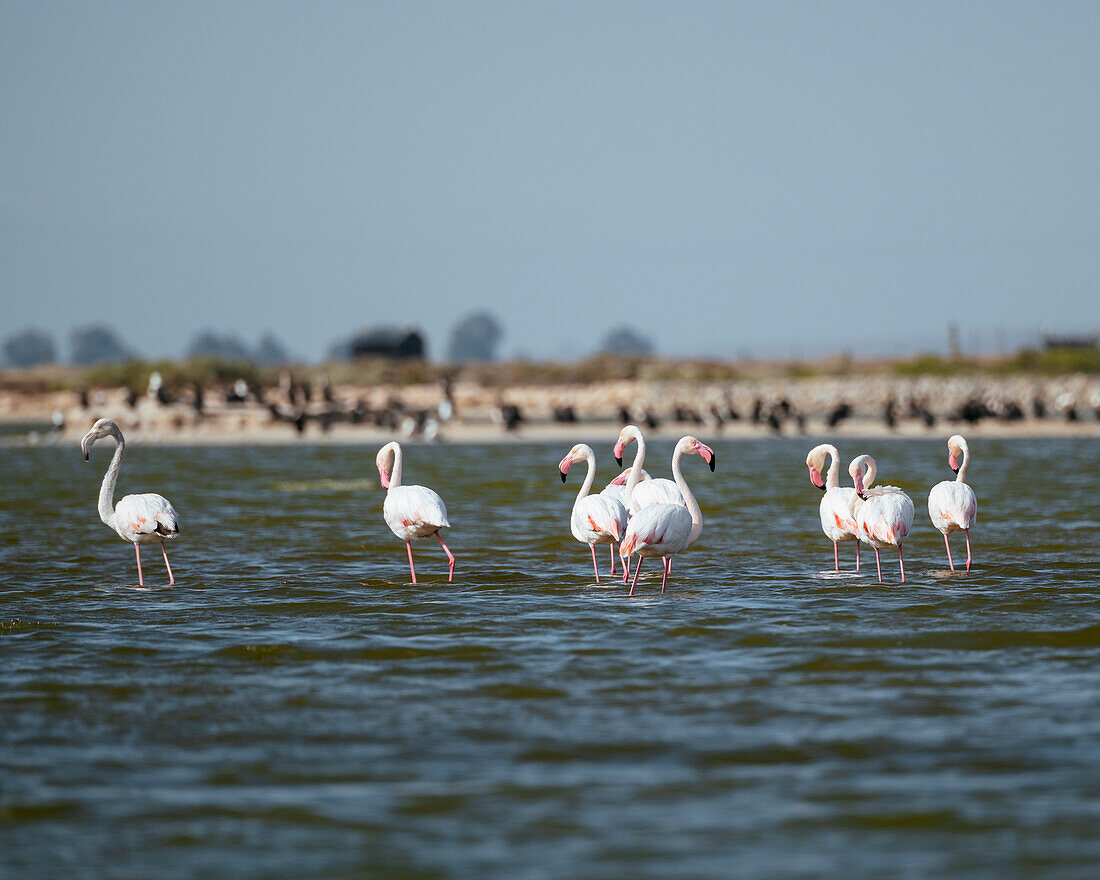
(635, 514)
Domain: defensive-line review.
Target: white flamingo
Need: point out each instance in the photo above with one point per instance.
(884, 515)
(411, 511)
(952, 504)
(666, 529)
(596, 519)
(641, 494)
(139, 519)
(835, 509)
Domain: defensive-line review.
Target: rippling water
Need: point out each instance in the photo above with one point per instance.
(294, 707)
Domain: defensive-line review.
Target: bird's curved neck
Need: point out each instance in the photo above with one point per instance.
(395, 474)
(636, 468)
(107, 488)
(960, 477)
(689, 499)
(832, 478)
(588, 477)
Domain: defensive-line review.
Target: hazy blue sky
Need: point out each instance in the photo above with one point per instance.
(764, 177)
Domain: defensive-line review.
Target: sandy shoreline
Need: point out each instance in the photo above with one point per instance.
(924, 406)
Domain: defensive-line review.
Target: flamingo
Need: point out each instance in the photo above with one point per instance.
(140, 519)
(952, 504)
(411, 511)
(641, 494)
(883, 515)
(596, 519)
(665, 529)
(837, 521)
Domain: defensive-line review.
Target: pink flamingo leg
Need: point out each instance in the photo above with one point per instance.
(857, 555)
(637, 569)
(592, 547)
(967, 533)
(948, 545)
(836, 557)
(613, 547)
(668, 567)
(626, 569)
(171, 579)
(878, 565)
(901, 564)
(450, 559)
(409, 547)
(137, 550)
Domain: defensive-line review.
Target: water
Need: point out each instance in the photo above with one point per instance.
(294, 707)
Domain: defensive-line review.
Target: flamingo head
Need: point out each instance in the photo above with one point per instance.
(102, 428)
(956, 445)
(578, 453)
(627, 435)
(862, 471)
(815, 463)
(384, 462)
(691, 446)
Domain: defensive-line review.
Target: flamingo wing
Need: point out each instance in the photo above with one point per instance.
(837, 518)
(147, 515)
(663, 528)
(414, 512)
(598, 519)
(659, 491)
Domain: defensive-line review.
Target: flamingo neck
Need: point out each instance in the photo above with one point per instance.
(635, 469)
(960, 477)
(395, 474)
(832, 478)
(589, 457)
(689, 499)
(107, 488)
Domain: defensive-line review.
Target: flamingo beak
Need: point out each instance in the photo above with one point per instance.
(564, 465)
(859, 485)
(953, 462)
(618, 452)
(384, 478)
(707, 454)
(86, 444)
(815, 478)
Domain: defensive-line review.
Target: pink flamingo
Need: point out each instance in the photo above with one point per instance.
(666, 529)
(596, 519)
(837, 521)
(640, 494)
(952, 504)
(411, 511)
(139, 519)
(884, 515)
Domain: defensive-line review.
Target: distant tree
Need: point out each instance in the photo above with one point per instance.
(97, 344)
(209, 344)
(475, 338)
(626, 341)
(270, 352)
(29, 349)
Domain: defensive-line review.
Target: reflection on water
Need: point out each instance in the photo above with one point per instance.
(294, 707)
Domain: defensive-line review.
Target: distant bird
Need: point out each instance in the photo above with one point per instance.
(641, 494)
(952, 504)
(666, 529)
(596, 519)
(884, 515)
(410, 511)
(139, 519)
(840, 412)
(837, 520)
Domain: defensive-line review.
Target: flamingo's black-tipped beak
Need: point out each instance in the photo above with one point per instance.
(87, 457)
(563, 475)
(713, 459)
(862, 496)
(954, 470)
(619, 460)
(821, 487)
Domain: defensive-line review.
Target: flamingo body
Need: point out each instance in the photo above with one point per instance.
(411, 512)
(657, 491)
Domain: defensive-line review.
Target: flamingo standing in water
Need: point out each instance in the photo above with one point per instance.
(411, 511)
(139, 519)
(837, 521)
(952, 504)
(883, 515)
(641, 494)
(665, 529)
(596, 519)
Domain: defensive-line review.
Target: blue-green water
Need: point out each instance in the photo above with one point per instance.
(294, 707)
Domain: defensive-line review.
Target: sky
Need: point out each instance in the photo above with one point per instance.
(768, 179)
